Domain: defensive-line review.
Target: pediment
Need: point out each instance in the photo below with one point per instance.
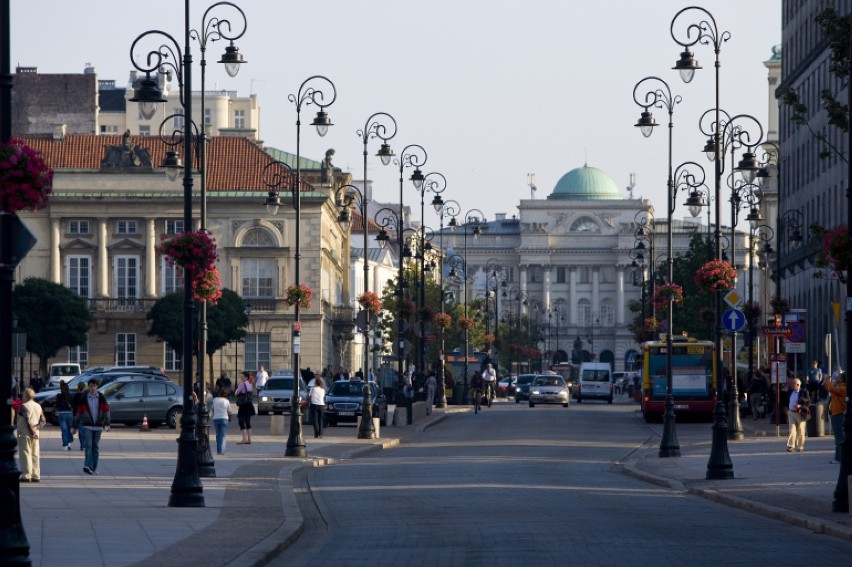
(78, 243)
(125, 243)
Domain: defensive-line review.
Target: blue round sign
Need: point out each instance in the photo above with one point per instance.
(733, 320)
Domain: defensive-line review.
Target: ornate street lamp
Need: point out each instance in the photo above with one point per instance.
(443, 208)
(760, 233)
(436, 183)
(494, 271)
(458, 273)
(277, 176)
(705, 31)
(187, 490)
(380, 125)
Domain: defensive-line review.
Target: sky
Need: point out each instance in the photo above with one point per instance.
(492, 89)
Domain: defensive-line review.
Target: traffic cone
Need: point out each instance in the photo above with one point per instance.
(144, 423)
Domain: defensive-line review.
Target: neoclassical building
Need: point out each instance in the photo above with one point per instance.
(568, 256)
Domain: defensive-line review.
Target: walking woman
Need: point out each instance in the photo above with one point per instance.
(245, 407)
(318, 406)
(221, 417)
(65, 414)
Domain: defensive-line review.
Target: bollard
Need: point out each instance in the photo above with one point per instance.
(816, 421)
(376, 426)
(277, 424)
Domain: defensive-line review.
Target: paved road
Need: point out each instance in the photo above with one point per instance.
(521, 486)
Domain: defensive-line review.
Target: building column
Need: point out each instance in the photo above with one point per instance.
(150, 258)
(596, 289)
(619, 296)
(572, 296)
(55, 255)
(103, 259)
(547, 279)
(524, 274)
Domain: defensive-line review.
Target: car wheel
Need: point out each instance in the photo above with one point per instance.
(52, 421)
(171, 417)
(332, 423)
(532, 405)
(517, 400)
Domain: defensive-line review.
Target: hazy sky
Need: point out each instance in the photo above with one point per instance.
(492, 89)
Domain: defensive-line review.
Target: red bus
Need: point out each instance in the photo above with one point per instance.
(693, 378)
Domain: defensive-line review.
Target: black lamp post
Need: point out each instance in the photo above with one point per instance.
(494, 271)
(645, 243)
(471, 218)
(514, 294)
(14, 546)
(760, 233)
(559, 309)
(719, 465)
(278, 175)
(458, 272)
(443, 208)
(187, 490)
(661, 97)
(387, 218)
(436, 183)
(383, 126)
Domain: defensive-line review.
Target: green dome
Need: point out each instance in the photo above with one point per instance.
(586, 184)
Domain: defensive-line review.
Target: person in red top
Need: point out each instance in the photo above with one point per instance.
(91, 418)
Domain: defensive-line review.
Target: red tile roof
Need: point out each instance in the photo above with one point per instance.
(233, 163)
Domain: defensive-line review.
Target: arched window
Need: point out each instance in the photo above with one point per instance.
(258, 238)
(258, 275)
(585, 224)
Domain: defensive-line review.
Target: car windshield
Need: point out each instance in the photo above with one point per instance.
(526, 379)
(549, 381)
(344, 388)
(281, 383)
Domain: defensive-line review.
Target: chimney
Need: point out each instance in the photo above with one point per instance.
(59, 132)
(500, 216)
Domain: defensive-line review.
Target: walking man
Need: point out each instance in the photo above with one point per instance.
(798, 409)
(260, 379)
(91, 418)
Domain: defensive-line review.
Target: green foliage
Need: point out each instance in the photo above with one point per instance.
(52, 315)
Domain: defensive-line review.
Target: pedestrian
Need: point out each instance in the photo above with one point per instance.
(224, 382)
(65, 414)
(837, 408)
(798, 410)
(80, 394)
(318, 406)
(91, 418)
(30, 422)
(245, 407)
(815, 381)
(260, 379)
(431, 386)
(221, 417)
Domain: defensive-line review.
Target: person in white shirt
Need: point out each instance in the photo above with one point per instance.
(317, 396)
(798, 410)
(260, 379)
(221, 417)
(489, 375)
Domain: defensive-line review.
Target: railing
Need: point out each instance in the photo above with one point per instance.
(124, 305)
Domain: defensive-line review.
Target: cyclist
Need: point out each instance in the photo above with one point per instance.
(477, 388)
(489, 375)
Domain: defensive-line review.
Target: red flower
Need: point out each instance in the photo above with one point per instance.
(25, 179)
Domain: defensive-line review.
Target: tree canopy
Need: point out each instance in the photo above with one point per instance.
(52, 315)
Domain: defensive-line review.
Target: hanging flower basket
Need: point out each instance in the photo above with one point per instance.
(298, 295)
(194, 251)
(427, 314)
(835, 252)
(25, 179)
(716, 275)
(207, 286)
(406, 307)
(707, 314)
(666, 292)
(369, 301)
(464, 323)
(752, 311)
(487, 340)
(443, 321)
(779, 305)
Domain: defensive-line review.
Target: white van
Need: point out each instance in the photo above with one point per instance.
(595, 382)
(63, 371)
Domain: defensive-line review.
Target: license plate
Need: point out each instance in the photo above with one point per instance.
(278, 406)
(681, 406)
(346, 413)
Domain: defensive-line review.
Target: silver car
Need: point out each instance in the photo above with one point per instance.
(548, 389)
(275, 397)
(133, 399)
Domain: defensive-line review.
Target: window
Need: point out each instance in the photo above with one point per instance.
(144, 130)
(585, 275)
(584, 311)
(126, 278)
(171, 359)
(179, 120)
(125, 349)
(80, 354)
(208, 116)
(106, 129)
(585, 224)
(240, 119)
(607, 314)
(78, 227)
(126, 227)
(257, 350)
(258, 238)
(258, 275)
(78, 275)
(560, 274)
(174, 226)
(172, 278)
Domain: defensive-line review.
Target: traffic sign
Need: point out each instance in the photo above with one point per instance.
(733, 319)
(22, 240)
(797, 332)
(732, 298)
(784, 331)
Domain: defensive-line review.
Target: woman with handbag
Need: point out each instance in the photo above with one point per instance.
(245, 407)
(221, 417)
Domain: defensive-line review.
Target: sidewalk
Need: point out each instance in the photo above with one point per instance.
(796, 488)
(122, 517)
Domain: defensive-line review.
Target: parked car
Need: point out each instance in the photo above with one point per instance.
(506, 387)
(133, 398)
(97, 371)
(344, 398)
(276, 396)
(62, 372)
(522, 387)
(549, 389)
(47, 399)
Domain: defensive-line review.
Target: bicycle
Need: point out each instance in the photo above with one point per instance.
(489, 393)
(476, 398)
